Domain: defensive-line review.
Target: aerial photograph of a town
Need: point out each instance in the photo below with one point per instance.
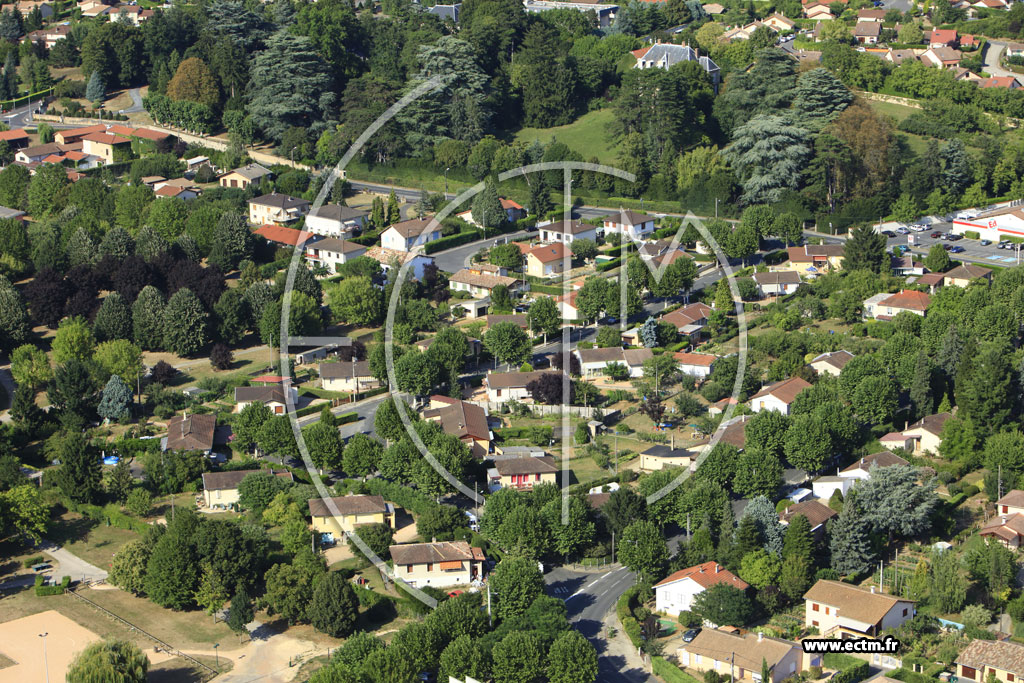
(511, 341)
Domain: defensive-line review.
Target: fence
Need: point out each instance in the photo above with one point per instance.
(167, 647)
(540, 409)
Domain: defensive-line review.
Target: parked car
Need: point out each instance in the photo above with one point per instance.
(985, 243)
(1002, 244)
(888, 233)
(690, 635)
(936, 235)
(920, 227)
(957, 250)
(955, 237)
(947, 247)
(903, 231)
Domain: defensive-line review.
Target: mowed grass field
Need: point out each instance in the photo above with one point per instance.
(587, 135)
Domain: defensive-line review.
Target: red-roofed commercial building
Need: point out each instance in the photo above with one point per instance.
(675, 593)
(282, 235)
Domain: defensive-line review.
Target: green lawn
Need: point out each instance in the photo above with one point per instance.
(896, 111)
(93, 541)
(587, 135)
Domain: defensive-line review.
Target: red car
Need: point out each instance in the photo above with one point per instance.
(935, 235)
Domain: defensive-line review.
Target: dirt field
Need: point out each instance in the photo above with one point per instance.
(20, 641)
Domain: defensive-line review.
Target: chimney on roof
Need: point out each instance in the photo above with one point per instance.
(701, 570)
(718, 568)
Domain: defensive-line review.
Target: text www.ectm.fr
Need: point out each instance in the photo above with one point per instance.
(887, 645)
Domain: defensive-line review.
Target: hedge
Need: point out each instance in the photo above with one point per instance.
(624, 611)
(609, 265)
(111, 513)
(56, 589)
(400, 495)
(450, 242)
(850, 668)
(670, 672)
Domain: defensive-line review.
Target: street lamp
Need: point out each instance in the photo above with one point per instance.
(291, 155)
(216, 654)
(46, 664)
(446, 181)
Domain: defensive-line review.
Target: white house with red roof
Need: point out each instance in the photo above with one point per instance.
(695, 364)
(675, 593)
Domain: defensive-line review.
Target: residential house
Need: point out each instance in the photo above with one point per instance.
(831, 363)
(871, 15)
(812, 259)
(465, 421)
(479, 283)
(905, 266)
(983, 660)
(987, 4)
(49, 35)
(66, 137)
(962, 74)
(817, 11)
(816, 513)
(335, 220)
(26, 7)
(965, 274)
(969, 42)
(842, 610)
(417, 263)
(513, 212)
(943, 38)
(867, 32)
(825, 487)
(690, 319)
(9, 213)
(779, 22)
(742, 657)
(734, 432)
(289, 237)
(660, 456)
(605, 13)
(697, 365)
(741, 32)
(665, 55)
(567, 231)
(941, 57)
(193, 164)
(407, 235)
(332, 252)
(279, 209)
(897, 57)
(547, 260)
(1007, 530)
(447, 12)
(1015, 49)
(190, 433)
(778, 396)
(220, 489)
(1008, 82)
(931, 280)
(38, 153)
(274, 396)
(887, 306)
(243, 177)
(897, 440)
(594, 361)
(332, 517)
(675, 593)
(862, 468)
(442, 564)
(509, 386)
(926, 433)
(778, 283)
(171, 191)
(350, 376)
(134, 14)
(567, 307)
(523, 473)
(522, 320)
(628, 222)
(1011, 504)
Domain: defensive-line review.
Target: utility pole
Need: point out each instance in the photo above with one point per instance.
(613, 546)
(732, 667)
(490, 621)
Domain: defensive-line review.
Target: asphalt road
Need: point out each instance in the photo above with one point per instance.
(364, 409)
(993, 50)
(588, 599)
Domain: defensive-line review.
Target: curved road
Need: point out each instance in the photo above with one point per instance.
(993, 51)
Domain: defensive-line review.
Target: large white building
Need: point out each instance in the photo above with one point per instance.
(996, 224)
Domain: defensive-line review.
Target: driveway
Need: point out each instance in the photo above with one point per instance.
(71, 565)
(136, 102)
(993, 51)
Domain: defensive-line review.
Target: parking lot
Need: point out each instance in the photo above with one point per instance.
(965, 249)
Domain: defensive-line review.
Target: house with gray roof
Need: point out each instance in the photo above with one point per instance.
(666, 55)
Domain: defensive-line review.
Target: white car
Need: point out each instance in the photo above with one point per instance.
(918, 228)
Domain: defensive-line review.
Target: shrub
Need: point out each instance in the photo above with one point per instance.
(814, 673)
(37, 559)
(139, 502)
(56, 589)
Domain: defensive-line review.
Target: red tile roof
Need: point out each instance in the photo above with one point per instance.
(908, 300)
(694, 358)
(706, 575)
(282, 235)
